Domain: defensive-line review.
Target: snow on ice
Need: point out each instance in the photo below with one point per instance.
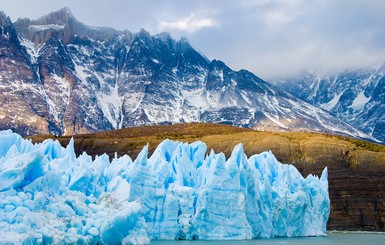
(48, 195)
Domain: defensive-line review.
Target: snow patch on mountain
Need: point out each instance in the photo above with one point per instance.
(111, 104)
(45, 27)
(360, 101)
(332, 103)
(32, 49)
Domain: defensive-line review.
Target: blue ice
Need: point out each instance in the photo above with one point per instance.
(48, 195)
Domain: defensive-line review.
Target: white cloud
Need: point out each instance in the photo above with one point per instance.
(192, 23)
(281, 12)
(277, 18)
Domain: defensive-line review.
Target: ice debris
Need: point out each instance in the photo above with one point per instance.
(48, 195)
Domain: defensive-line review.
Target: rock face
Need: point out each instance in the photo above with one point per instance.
(356, 184)
(22, 102)
(60, 76)
(355, 97)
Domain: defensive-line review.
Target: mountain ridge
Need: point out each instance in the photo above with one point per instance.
(82, 79)
(356, 97)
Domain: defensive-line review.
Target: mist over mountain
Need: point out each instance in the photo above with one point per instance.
(356, 97)
(60, 76)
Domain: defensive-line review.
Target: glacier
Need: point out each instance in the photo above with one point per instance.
(50, 195)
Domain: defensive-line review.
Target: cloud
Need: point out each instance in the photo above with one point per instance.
(192, 23)
(321, 57)
(272, 38)
(279, 13)
(277, 18)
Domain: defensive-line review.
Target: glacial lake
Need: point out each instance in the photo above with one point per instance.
(333, 238)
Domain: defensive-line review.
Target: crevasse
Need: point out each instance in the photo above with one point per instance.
(48, 195)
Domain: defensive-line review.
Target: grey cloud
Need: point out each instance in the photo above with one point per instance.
(272, 38)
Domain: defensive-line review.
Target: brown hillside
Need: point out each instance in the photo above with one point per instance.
(356, 168)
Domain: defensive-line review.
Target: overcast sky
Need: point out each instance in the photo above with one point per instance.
(272, 38)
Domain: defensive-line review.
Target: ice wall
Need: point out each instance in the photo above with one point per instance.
(48, 195)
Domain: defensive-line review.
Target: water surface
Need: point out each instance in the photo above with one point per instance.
(350, 238)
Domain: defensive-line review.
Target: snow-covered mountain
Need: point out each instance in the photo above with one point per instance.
(356, 97)
(60, 76)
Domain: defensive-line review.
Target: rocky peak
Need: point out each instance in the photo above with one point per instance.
(185, 44)
(190, 57)
(165, 36)
(57, 24)
(185, 41)
(63, 25)
(143, 33)
(217, 64)
(8, 33)
(217, 77)
(4, 19)
(60, 17)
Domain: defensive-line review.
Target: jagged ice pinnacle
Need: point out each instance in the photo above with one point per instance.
(48, 195)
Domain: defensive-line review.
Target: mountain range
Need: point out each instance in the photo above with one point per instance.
(357, 97)
(59, 76)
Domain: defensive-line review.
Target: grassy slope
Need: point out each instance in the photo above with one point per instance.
(286, 145)
(356, 168)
